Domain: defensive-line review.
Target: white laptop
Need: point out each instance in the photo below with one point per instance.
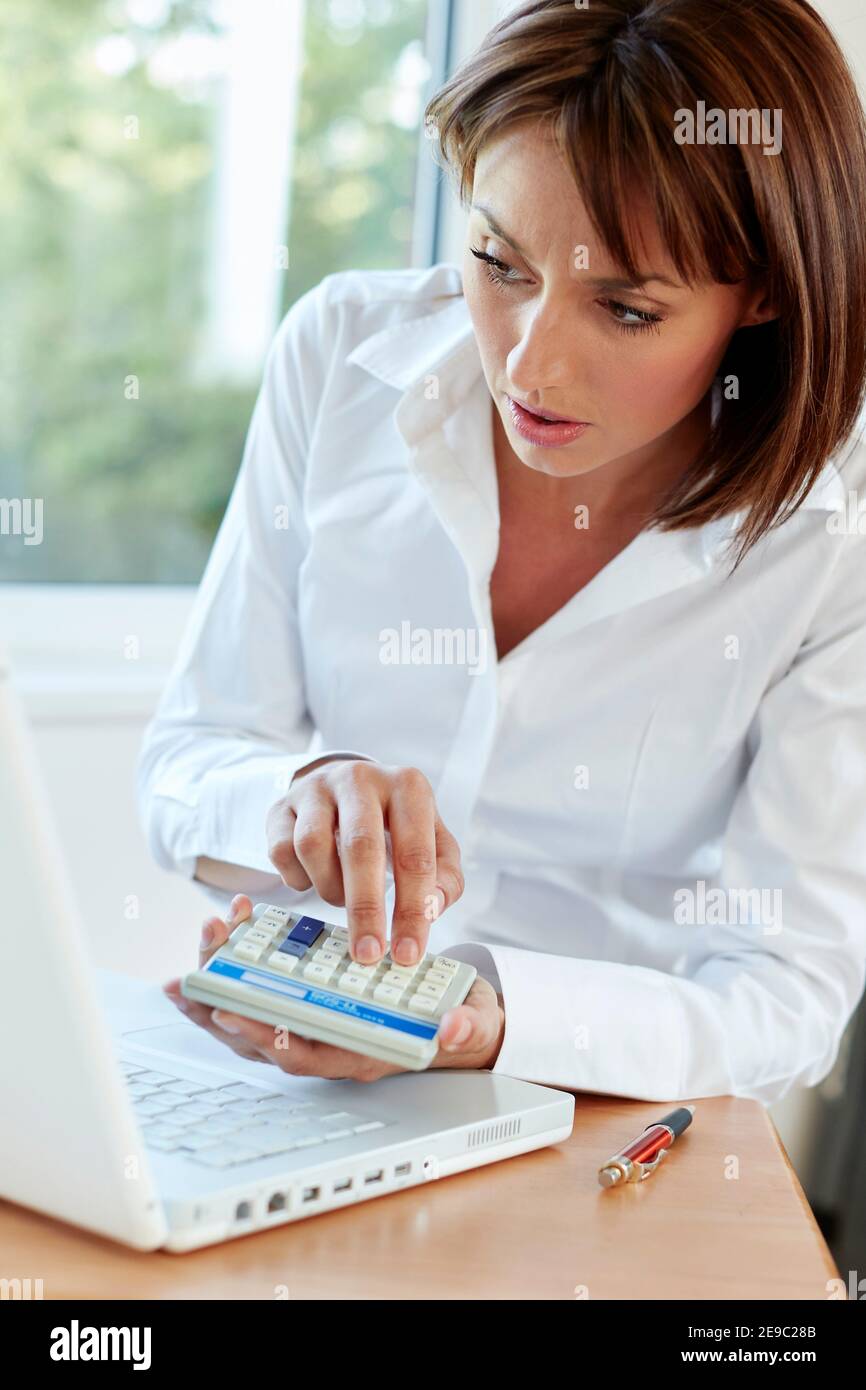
(120, 1118)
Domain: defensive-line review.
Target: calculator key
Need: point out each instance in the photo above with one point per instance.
(340, 934)
(368, 971)
(250, 950)
(278, 917)
(438, 977)
(397, 977)
(450, 967)
(321, 974)
(306, 931)
(263, 938)
(432, 991)
(352, 984)
(337, 945)
(389, 994)
(326, 957)
(285, 964)
(266, 909)
(422, 1004)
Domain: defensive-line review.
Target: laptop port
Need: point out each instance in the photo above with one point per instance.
(344, 1185)
(243, 1211)
(375, 1177)
(277, 1202)
(402, 1170)
(310, 1194)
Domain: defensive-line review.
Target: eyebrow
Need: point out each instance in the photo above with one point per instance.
(606, 282)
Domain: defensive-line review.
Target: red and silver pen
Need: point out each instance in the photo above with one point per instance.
(644, 1154)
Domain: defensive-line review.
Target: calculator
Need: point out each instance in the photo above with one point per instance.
(296, 972)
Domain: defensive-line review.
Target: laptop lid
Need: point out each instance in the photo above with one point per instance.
(69, 1144)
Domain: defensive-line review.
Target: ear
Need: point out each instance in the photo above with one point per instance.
(758, 308)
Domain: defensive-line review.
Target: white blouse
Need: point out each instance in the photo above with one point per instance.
(660, 793)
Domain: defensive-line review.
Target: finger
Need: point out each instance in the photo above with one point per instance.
(280, 832)
(449, 874)
(362, 855)
(315, 843)
(411, 821)
(215, 932)
(457, 1028)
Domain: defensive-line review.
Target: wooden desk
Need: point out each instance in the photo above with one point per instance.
(534, 1227)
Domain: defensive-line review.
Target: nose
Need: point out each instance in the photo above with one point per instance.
(544, 364)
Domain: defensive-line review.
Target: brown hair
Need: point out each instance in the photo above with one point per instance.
(610, 78)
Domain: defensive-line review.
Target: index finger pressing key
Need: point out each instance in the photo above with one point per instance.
(362, 856)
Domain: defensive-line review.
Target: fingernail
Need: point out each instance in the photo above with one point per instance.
(463, 1033)
(225, 1021)
(406, 951)
(206, 934)
(369, 950)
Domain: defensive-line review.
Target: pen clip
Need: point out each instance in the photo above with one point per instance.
(646, 1168)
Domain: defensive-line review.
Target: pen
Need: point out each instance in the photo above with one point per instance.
(632, 1164)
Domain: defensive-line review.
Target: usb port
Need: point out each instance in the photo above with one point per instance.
(343, 1185)
(375, 1177)
(402, 1170)
(310, 1194)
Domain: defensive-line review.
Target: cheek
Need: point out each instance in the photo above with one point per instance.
(492, 328)
(654, 386)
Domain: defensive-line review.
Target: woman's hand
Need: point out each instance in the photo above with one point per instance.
(470, 1035)
(329, 832)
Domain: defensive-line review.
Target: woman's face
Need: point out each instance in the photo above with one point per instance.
(555, 334)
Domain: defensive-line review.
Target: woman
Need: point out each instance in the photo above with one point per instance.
(545, 573)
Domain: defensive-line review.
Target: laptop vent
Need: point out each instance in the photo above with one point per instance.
(492, 1134)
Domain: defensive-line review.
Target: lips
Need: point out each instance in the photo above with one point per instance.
(546, 431)
(547, 414)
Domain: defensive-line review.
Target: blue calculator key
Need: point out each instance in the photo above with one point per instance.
(305, 931)
(292, 948)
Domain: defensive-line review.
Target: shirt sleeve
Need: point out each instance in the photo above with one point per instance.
(231, 728)
(769, 979)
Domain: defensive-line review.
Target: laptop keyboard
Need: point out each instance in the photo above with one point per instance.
(220, 1126)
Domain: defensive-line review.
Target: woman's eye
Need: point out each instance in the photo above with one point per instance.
(498, 272)
(640, 318)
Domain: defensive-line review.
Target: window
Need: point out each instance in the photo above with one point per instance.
(176, 173)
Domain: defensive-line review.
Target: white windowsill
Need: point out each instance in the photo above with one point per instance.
(68, 645)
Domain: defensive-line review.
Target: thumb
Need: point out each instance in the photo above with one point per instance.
(457, 1028)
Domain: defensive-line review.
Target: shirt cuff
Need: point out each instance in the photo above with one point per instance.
(585, 1025)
